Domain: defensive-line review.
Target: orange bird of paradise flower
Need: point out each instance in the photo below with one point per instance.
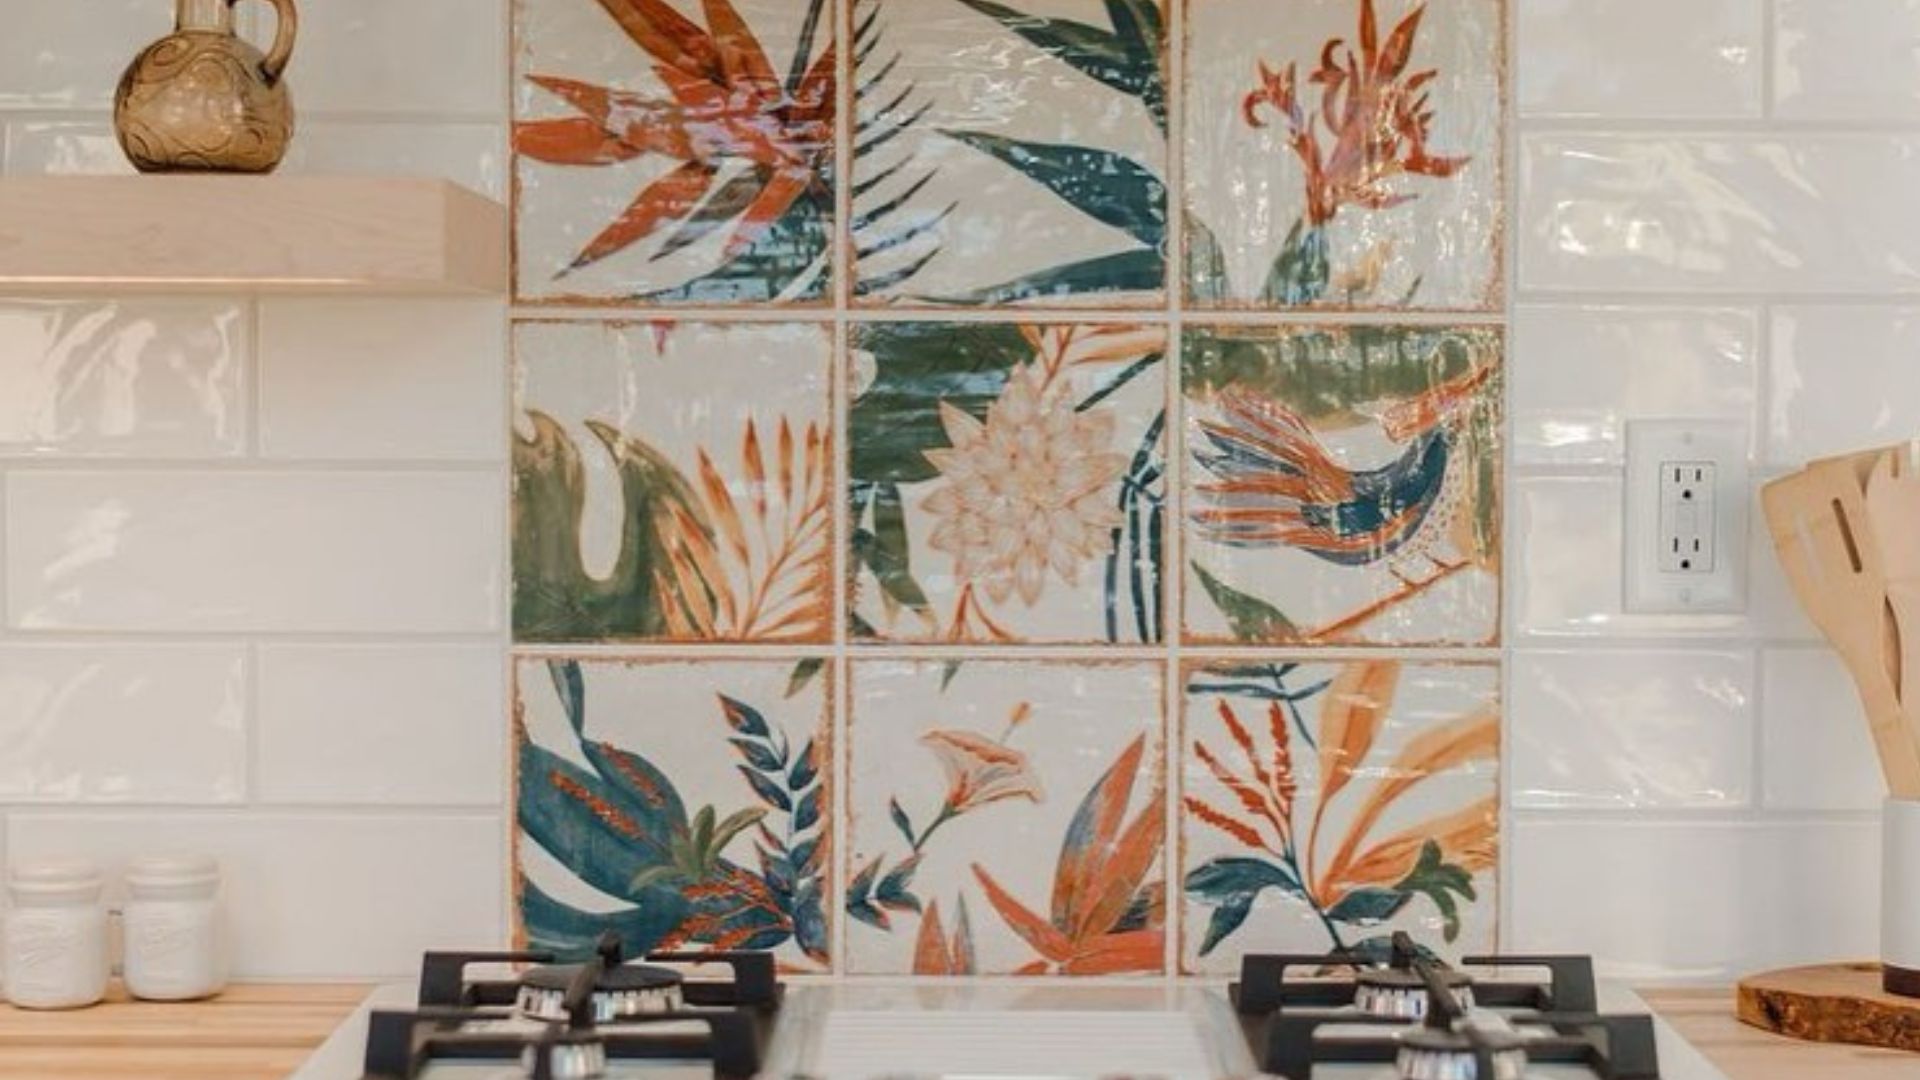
(1378, 117)
(726, 104)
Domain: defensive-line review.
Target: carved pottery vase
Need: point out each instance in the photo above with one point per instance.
(203, 99)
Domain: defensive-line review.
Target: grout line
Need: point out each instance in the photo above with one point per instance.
(1507, 608)
(1172, 576)
(1707, 128)
(256, 466)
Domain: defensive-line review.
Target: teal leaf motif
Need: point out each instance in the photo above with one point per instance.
(1251, 618)
(1141, 270)
(1111, 188)
(1368, 906)
(1300, 272)
(744, 718)
(1439, 881)
(1126, 58)
(769, 792)
(1231, 885)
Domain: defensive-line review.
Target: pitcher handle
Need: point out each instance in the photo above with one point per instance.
(286, 28)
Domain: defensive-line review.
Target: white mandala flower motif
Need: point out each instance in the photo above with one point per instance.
(1025, 491)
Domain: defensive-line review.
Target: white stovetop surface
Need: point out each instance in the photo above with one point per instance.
(984, 1031)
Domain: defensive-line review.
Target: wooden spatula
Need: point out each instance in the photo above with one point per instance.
(1818, 519)
(1893, 505)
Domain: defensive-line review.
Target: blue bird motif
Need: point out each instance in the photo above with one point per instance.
(1274, 483)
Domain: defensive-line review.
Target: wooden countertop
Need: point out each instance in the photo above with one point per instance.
(261, 1032)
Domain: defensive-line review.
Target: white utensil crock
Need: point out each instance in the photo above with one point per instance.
(1900, 898)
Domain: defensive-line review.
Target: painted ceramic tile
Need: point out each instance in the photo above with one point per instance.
(683, 804)
(1007, 482)
(1325, 806)
(1343, 484)
(670, 151)
(1008, 152)
(1344, 153)
(1006, 817)
(671, 482)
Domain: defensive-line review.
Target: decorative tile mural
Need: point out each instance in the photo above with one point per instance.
(1326, 805)
(921, 432)
(1007, 482)
(684, 804)
(1009, 152)
(1006, 817)
(672, 482)
(663, 156)
(1344, 154)
(1342, 484)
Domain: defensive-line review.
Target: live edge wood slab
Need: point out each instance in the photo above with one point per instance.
(1831, 1003)
(261, 1032)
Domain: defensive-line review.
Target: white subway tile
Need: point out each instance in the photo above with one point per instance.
(61, 54)
(353, 379)
(1848, 60)
(315, 895)
(1566, 572)
(1706, 902)
(1773, 611)
(123, 723)
(1580, 373)
(1792, 214)
(472, 155)
(381, 724)
(1843, 377)
(421, 56)
(43, 147)
(1593, 729)
(222, 551)
(1598, 58)
(145, 377)
(1815, 749)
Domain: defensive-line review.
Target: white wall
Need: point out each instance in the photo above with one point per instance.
(253, 565)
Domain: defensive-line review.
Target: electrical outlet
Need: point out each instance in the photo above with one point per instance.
(1686, 516)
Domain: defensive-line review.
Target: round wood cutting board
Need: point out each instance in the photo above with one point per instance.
(1830, 1003)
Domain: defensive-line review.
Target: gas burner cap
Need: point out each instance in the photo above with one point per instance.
(620, 993)
(1401, 994)
(1441, 1054)
(564, 1055)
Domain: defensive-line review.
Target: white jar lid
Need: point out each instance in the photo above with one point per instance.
(172, 870)
(56, 876)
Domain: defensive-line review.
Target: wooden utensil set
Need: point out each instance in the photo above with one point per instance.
(1848, 533)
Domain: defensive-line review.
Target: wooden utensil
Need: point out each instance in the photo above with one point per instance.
(1819, 522)
(1893, 506)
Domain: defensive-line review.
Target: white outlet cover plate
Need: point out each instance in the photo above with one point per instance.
(1722, 589)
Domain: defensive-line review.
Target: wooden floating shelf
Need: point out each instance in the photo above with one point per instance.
(249, 234)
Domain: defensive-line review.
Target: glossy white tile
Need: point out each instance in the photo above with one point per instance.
(1705, 902)
(1565, 575)
(37, 146)
(295, 551)
(1773, 612)
(123, 377)
(1613, 59)
(470, 154)
(62, 55)
(149, 723)
(316, 896)
(1847, 60)
(362, 379)
(1843, 378)
(1581, 372)
(1631, 729)
(421, 56)
(1792, 214)
(381, 724)
(1815, 749)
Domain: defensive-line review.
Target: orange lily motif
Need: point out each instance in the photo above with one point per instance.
(980, 771)
(726, 105)
(934, 953)
(1367, 878)
(1378, 117)
(1105, 918)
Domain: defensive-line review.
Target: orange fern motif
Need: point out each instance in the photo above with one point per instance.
(1104, 917)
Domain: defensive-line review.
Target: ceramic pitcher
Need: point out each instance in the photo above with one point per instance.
(203, 99)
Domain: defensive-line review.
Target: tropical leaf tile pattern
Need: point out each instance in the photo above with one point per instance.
(685, 805)
(700, 514)
(1342, 484)
(851, 530)
(1344, 154)
(1326, 805)
(1006, 818)
(1009, 152)
(1007, 482)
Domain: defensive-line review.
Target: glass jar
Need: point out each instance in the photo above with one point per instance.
(55, 937)
(174, 947)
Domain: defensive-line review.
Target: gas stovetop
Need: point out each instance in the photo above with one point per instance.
(726, 1016)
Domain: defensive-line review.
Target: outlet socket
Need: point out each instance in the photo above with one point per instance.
(1687, 499)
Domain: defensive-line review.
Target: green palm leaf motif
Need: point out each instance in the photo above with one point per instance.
(893, 239)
